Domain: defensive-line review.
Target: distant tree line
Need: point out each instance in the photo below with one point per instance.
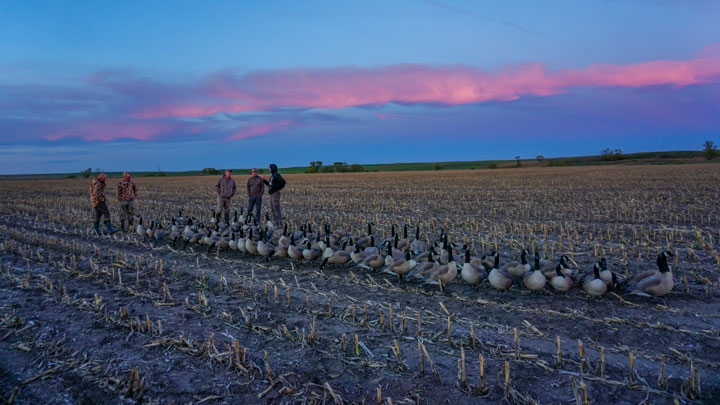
(610, 155)
(337, 167)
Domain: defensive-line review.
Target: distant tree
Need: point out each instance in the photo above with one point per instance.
(327, 169)
(517, 161)
(493, 165)
(209, 170)
(438, 166)
(340, 167)
(540, 158)
(608, 154)
(356, 168)
(86, 173)
(710, 151)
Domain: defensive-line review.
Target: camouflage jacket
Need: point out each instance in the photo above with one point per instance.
(97, 192)
(127, 191)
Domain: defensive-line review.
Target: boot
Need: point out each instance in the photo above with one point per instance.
(96, 227)
(109, 228)
(131, 221)
(123, 225)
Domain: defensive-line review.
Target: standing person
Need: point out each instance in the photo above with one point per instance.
(255, 190)
(275, 184)
(127, 192)
(225, 190)
(100, 208)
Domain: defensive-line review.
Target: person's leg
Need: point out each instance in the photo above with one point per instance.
(258, 206)
(226, 209)
(123, 215)
(251, 203)
(275, 205)
(96, 221)
(106, 213)
(219, 208)
(131, 214)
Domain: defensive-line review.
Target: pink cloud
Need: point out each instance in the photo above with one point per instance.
(343, 87)
(260, 129)
(107, 131)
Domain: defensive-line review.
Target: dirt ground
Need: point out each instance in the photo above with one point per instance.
(124, 319)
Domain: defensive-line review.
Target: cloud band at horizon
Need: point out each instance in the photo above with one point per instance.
(407, 101)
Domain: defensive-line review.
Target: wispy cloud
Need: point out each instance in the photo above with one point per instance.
(225, 105)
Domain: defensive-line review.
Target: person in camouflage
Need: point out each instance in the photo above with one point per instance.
(127, 192)
(97, 200)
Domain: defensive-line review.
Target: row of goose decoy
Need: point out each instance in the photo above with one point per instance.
(411, 259)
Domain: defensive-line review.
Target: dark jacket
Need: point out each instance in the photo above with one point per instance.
(225, 187)
(276, 182)
(255, 186)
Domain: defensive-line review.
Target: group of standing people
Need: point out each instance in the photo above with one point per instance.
(127, 192)
(225, 187)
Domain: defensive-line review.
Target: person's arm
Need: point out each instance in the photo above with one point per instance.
(234, 189)
(217, 186)
(119, 190)
(134, 190)
(248, 186)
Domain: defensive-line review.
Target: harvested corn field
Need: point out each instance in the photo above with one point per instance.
(182, 317)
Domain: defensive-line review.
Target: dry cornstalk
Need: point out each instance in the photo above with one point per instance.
(462, 376)
(558, 356)
(473, 339)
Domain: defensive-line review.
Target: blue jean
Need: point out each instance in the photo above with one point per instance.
(257, 202)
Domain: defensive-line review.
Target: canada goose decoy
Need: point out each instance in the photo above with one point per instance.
(424, 256)
(548, 266)
(175, 235)
(470, 273)
(535, 279)
(608, 276)
(518, 269)
(443, 275)
(372, 262)
(250, 244)
(417, 246)
(265, 248)
(401, 267)
(233, 243)
(595, 286)
(341, 257)
(358, 255)
(159, 233)
(310, 253)
(241, 241)
(404, 243)
(149, 232)
(422, 270)
(654, 282)
(492, 261)
(293, 252)
(561, 281)
(372, 249)
(500, 279)
(140, 229)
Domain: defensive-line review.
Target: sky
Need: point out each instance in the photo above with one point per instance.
(183, 85)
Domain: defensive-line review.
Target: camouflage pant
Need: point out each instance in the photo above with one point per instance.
(101, 210)
(127, 211)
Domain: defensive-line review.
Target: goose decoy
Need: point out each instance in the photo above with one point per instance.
(654, 282)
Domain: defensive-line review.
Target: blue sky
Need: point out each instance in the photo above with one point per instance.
(185, 85)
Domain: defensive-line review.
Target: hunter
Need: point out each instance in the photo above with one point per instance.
(127, 192)
(100, 208)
